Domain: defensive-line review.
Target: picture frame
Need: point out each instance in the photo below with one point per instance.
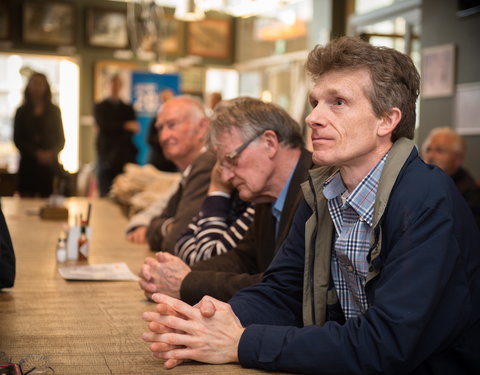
(48, 22)
(438, 71)
(210, 38)
(106, 28)
(104, 70)
(467, 110)
(5, 17)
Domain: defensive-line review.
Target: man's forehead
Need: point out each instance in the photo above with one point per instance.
(171, 114)
(228, 137)
(443, 138)
(229, 132)
(342, 79)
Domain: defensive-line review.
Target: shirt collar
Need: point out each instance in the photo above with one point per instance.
(277, 207)
(362, 198)
(186, 171)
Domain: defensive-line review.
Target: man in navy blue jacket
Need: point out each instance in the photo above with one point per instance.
(380, 273)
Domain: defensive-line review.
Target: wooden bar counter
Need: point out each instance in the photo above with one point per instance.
(79, 327)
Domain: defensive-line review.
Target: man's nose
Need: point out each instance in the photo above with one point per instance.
(164, 134)
(226, 175)
(315, 118)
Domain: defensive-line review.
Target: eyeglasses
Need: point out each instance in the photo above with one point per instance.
(439, 150)
(229, 160)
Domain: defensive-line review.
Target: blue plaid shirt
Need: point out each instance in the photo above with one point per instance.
(352, 215)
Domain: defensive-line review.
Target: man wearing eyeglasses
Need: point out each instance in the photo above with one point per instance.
(446, 149)
(182, 127)
(261, 151)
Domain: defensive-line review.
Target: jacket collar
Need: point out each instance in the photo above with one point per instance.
(396, 158)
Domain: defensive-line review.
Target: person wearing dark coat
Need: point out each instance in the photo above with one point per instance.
(116, 125)
(38, 135)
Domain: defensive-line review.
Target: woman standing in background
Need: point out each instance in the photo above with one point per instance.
(38, 135)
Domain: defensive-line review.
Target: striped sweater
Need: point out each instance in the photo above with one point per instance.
(220, 225)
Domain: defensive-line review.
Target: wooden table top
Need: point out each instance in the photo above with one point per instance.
(79, 327)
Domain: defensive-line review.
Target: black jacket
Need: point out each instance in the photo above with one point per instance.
(115, 145)
(7, 256)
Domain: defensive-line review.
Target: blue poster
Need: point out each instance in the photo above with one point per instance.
(146, 88)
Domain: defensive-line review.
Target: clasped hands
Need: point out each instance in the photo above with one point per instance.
(163, 274)
(207, 332)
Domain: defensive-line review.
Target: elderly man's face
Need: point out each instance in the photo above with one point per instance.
(249, 171)
(440, 152)
(179, 132)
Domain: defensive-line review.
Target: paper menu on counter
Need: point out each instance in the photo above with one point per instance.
(97, 272)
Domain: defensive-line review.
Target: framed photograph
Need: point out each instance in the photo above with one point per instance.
(48, 22)
(107, 28)
(5, 17)
(467, 110)
(104, 70)
(210, 38)
(438, 71)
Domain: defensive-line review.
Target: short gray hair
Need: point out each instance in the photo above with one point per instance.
(252, 117)
(459, 146)
(192, 101)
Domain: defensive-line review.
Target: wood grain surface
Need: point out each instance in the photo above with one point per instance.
(79, 327)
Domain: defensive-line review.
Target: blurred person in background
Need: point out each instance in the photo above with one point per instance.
(38, 135)
(446, 149)
(116, 127)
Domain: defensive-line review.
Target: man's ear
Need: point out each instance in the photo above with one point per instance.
(203, 127)
(271, 142)
(389, 122)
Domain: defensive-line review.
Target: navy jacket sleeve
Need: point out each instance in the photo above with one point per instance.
(425, 295)
(278, 298)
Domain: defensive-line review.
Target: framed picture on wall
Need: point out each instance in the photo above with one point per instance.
(438, 71)
(210, 38)
(48, 22)
(5, 17)
(106, 28)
